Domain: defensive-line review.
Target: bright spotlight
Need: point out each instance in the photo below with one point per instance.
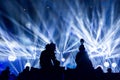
(114, 65)
(106, 64)
(63, 59)
(27, 64)
(11, 58)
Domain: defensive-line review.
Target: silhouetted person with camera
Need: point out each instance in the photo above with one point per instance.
(47, 58)
(48, 62)
(84, 66)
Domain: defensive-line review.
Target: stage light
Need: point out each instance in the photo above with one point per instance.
(12, 58)
(106, 64)
(114, 65)
(63, 59)
(26, 35)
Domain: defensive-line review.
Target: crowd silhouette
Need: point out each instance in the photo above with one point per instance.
(51, 70)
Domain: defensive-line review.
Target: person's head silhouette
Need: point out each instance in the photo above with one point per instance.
(52, 46)
(109, 70)
(81, 48)
(81, 41)
(47, 46)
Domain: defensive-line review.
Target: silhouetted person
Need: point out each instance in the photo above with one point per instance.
(81, 54)
(84, 65)
(109, 75)
(82, 58)
(5, 74)
(47, 58)
(99, 70)
(49, 63)
(56, 63)
(99, 73)
(109, 70)
(25, 75)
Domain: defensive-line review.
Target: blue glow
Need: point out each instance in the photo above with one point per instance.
(27, 26)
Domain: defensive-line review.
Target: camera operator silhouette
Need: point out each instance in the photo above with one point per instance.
(47, 58)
